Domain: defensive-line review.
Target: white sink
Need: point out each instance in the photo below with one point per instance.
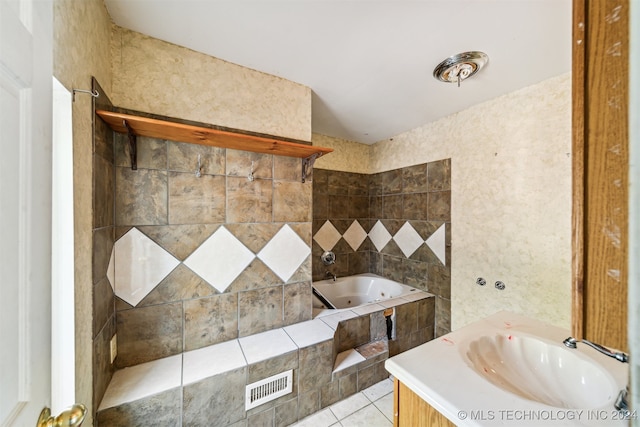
(541, 371)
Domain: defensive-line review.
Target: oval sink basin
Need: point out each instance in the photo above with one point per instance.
(540, 371)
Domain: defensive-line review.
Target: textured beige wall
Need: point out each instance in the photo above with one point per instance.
(82, 33)
(348, 156)
(157, 77)
(511, 199)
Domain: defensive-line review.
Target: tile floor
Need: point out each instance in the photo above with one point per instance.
(372, 407)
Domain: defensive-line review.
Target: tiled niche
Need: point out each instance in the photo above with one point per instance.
(396, 224)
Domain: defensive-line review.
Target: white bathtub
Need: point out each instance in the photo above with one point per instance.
(361, 289)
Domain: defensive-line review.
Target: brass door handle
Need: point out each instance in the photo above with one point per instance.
(70, 417)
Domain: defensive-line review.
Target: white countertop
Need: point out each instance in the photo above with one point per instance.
(441, 374)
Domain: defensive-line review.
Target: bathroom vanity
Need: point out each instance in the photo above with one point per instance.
(506, 369)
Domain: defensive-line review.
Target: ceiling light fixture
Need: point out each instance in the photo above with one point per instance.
(460, 67)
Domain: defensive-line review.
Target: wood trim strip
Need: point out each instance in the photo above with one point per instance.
(578, 129)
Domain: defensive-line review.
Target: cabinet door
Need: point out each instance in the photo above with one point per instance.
(409, 410)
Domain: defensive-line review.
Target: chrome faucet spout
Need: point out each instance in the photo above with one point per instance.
(330, 275)
(618, 355)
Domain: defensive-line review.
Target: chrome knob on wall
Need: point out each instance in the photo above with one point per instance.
(328, 258)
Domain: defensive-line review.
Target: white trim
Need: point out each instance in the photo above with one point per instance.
(62, 254)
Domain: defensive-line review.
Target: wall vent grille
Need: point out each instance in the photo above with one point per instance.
(268, 389)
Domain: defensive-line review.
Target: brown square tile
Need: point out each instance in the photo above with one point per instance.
(415, 206)
(439, 175)
(414, 179)
(151, 153)
(426, 312)
(338, 183)
(339, 206)
(297, 303)
(392, 181)
(260, 310)
(406, 319)
(103, 139)
(219, 398)
(308, 403)
(358, 207)
(249, 201)
(194, 200)
(291, 201)
(392, 207)
(348, 385)
(289, 169)
(375, 184)
(103, 192)
(439, 206)
(141, 197)
(239, 164)
(183, 157)
(316, 365)
(351, 333)
(162, 409)
(286, 413)
(320, 206)
(443, 316)
(321, 181)
(210, 320)
(149, 333)
(358, 184)
(440, 281)
(272, 366)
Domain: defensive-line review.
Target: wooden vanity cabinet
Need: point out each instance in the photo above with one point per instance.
(409, 410)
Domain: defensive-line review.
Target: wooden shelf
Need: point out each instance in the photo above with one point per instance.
(175, 131)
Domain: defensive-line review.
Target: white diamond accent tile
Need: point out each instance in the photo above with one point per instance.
(436, 243)
(111, 269)
(220, 259)
(140, 264)
(408, 239)
(284, 253)
(327, 236)
(355, 235)
(379, 236)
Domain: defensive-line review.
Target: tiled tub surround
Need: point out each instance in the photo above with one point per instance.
(396, 224)
(333, 356)
(203, 260)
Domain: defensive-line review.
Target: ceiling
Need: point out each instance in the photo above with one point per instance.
(370, 63)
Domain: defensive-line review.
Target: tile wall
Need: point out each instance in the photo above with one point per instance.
(396, 224)
(201, 260)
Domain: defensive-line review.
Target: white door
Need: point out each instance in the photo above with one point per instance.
(25, 210)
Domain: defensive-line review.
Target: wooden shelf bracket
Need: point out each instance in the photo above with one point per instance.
(307, 165)
(133, 145)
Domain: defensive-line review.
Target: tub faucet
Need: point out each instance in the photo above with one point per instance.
(618, 355)
(330, 275)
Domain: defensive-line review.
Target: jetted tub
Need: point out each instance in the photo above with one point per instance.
(352, 291)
